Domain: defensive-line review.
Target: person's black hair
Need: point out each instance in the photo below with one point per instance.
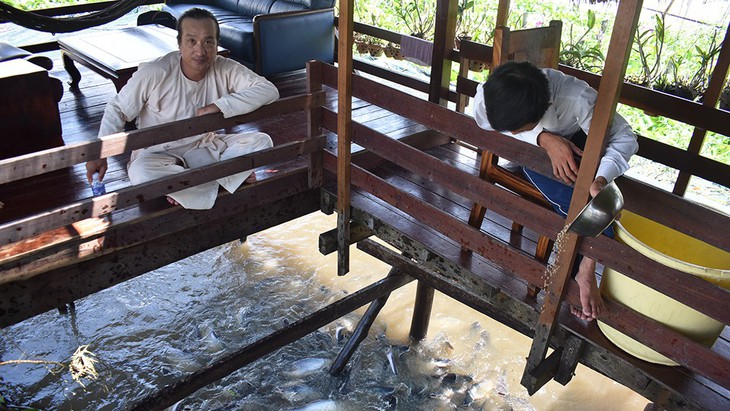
(515, 94)
(197, 13)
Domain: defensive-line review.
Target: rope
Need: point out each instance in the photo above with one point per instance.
(67, 24)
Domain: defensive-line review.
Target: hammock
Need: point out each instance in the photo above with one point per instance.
(48, 24)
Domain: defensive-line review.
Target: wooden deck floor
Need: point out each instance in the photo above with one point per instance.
(81, 113)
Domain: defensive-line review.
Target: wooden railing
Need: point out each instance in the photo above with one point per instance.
(44, 246)
(655, 102)
(694, 292)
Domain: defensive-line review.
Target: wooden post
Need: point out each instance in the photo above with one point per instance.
(712, 94)
(421, 311)
(443, 43)
(344, 133)
(362, 329)
(502, 13)
(314, 122)
(609, 92)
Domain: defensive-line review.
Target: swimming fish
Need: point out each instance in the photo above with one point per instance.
(389, 354)
(306, 366)
(297, 392)
(320, 405)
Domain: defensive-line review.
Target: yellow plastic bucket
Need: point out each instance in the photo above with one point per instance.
(676, 250)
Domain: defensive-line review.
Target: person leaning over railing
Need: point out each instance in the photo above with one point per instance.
(193, 81)
(553, 110)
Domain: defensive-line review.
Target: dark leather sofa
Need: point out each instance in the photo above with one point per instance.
(270, 36)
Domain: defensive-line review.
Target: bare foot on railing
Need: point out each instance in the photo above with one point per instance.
(250, 179)
(172, 201)
(590, 295)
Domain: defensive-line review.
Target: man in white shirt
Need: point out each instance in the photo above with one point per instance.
(193, 81)
(552, 110)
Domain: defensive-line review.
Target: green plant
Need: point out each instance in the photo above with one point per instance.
(649, 44)
(579, 53)
(418, 16)
(471, 22)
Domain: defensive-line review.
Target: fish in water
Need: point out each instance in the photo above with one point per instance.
(389, 354)
(306, 366)
(297, 392)
(320, 405)
(207, 335)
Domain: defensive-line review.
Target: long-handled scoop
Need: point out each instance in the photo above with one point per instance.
(599, 213)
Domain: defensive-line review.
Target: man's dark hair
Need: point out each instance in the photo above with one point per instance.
(515, 94)
(197, 13)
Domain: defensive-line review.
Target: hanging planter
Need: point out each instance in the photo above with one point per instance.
(362, 47)
(375, 50)
(393, 51)
(476, 65)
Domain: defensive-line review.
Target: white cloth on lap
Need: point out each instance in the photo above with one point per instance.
(151, 164)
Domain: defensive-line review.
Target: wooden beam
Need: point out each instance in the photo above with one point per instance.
(45, 161)
(344, 133)
(499, 253)
(97, 206)
(617, 59)
(328, 241)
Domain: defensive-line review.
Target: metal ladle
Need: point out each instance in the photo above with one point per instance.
(599, 213)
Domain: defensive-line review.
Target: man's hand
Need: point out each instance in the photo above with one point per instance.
(96, 166)
(210, 108)
(598, 185)
(561, 151)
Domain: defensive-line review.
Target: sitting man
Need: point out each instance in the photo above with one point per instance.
(552, 110)
(193, 81)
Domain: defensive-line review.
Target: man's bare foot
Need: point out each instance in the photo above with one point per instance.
(172, 201)
(590, 295)
(251, 179)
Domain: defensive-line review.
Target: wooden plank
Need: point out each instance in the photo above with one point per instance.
(87, 238)
(469, 237)
(96, 206)
(685, 160)
(344, 133)
(328, 241)
(54, 159)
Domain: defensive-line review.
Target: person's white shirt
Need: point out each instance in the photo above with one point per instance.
(571, 108)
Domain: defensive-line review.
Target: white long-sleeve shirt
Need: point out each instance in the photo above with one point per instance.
(571, 108)
(159, 93)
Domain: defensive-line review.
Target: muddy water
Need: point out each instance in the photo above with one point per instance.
(154, 329)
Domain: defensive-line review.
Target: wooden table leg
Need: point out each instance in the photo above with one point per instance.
(72, 71)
